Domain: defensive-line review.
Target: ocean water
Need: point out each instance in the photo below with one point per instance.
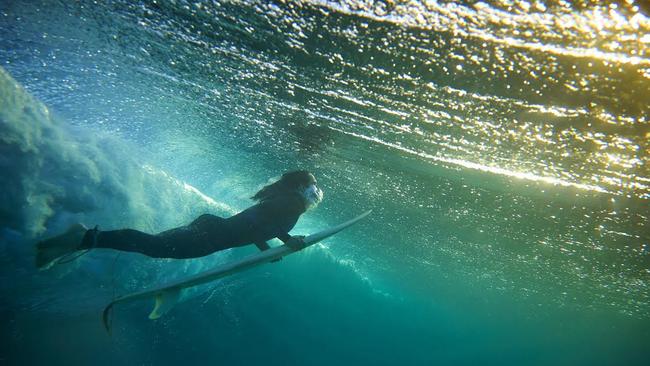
(502, 146)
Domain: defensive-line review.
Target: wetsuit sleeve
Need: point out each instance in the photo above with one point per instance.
(262, 245)
(284, 237)
(282, 214)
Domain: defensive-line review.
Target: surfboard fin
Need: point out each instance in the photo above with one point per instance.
(165, 300)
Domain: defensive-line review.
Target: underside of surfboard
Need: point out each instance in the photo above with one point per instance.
(167, 295)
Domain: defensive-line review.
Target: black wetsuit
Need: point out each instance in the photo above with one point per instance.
(272, 218)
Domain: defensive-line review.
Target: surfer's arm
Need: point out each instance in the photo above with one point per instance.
(262, 245)
(284, 237)
(294, 242)
(281, 214)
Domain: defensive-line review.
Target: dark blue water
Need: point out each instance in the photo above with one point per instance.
(503, 148)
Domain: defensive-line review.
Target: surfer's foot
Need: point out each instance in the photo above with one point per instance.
(49, 250)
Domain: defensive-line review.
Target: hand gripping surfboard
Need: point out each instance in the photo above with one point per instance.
(167, 295)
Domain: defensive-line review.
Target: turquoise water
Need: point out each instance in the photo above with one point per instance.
(503, 148)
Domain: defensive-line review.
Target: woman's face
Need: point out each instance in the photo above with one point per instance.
(311, 193)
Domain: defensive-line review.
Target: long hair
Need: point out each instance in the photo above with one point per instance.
(289, 182)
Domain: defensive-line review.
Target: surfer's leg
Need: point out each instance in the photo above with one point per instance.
(128, 240)
(191, 241)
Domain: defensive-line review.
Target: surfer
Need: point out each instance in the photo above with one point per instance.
(278, 207)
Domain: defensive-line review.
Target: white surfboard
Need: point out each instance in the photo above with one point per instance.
(167, 295)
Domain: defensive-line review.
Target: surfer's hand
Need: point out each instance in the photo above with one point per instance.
(296, 242)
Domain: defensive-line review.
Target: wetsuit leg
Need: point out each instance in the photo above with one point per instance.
(205, 235)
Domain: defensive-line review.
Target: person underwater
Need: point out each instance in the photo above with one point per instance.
(278, 207)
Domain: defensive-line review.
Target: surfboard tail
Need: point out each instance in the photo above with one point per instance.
(164, 301)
